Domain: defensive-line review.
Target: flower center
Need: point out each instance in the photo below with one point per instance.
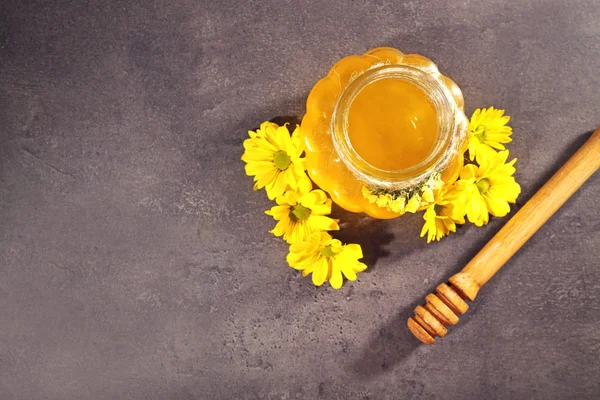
(483, 185)
(480, 134)
(327, 252)
(299, 213)
(282, 160)
(438, 209)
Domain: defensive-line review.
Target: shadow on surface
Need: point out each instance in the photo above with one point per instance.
(293, 120)
(372, 234)
(388, 346)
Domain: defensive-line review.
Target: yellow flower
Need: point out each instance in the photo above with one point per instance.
(384, 200)
(273, 158)
(440, 216)
(401, 201)
(327, 259)
(488, 131)
(302, 212)
(398, 204)
(413, 204)
(486, 189)
(427, 195)
(372, 198)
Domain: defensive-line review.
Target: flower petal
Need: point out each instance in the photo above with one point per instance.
(258, 167)
(288, 198)
(320, 272)
(266, 178)
(297, 141)
(323, 223)
(336, 279)
(282, 138)
(304, 185)
(282, 227)
(347, 270)
(279, 186)
(278, 212)
(359, 267)
(468, 172)
(497, 207)
(353, 251)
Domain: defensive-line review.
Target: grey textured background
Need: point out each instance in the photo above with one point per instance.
(135, 261)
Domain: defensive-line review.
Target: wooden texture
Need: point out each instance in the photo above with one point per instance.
(468, 282)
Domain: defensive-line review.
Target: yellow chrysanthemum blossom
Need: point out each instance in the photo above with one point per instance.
(302, 212)
(272, 156)
(327, 259)
(439, 220)
(488, 131)
(487, 189)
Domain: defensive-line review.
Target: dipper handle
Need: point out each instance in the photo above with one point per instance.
(440, 310)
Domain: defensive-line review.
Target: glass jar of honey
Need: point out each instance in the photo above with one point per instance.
(383, 120)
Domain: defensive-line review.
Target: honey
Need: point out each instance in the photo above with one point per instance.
(392, 124)
(383, 119)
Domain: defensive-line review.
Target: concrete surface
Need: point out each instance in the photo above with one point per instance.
(135, 261)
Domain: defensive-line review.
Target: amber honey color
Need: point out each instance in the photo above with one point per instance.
(392, 124)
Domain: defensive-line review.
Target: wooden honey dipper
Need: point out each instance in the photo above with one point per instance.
(441, 309)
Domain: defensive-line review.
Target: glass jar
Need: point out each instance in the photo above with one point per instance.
(386, 120)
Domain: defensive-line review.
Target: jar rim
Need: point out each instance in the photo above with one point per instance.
(441, 152)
